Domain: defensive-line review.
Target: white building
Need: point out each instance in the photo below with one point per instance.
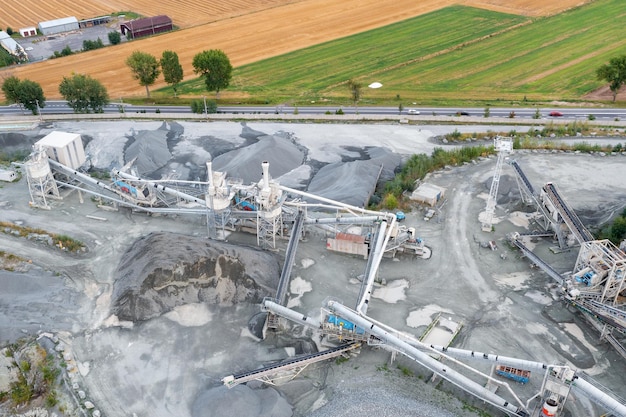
(65, 148)
(7, 175)
(66, 24)
(428, 194)
(12, 47)
(28, 31)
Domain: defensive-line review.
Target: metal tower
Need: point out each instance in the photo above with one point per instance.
(504, 146)
(269, 211)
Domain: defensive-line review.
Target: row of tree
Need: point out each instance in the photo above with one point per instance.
(213, 65)
(85, 94)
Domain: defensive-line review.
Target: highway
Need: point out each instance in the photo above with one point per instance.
(61, 107)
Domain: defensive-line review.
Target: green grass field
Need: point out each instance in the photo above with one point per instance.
(451, 56)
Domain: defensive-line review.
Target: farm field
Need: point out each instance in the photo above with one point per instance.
(187, 13)
(248, 38)
(484, 55)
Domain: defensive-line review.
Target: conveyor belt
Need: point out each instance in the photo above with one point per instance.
(522, 176)
(538, 261)
(288, 364)
(610, 315)
(290, 255)
(368, 268)
(567, 214)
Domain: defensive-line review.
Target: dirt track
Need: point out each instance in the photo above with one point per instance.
(246, 38)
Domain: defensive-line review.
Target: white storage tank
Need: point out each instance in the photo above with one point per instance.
(37, 168)
(65, 148)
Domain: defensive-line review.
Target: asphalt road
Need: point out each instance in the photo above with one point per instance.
(61, 107)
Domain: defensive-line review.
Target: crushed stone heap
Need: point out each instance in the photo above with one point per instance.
(164, 270)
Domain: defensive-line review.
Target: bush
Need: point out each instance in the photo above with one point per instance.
(91, 45)
(197, 106)
(487, 112)
(591, 117)
(390, 202)
(537, 114)
(339, 111)
(114, 37)
(9, 31)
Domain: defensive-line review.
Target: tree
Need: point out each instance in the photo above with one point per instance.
(31, 96)
(9, 31)
(84, 94)
(355, 88)
(614, 73)
(10, 89)
(144, 67)
(215, 67)
(26, 93)
(172, 70)
(114, 37)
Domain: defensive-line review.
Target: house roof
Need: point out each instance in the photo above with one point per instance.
(57, 139)
(148, 22)
(7, 41)
(58, 22)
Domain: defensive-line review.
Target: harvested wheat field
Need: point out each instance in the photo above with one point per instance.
(21, 13)
(249, 37)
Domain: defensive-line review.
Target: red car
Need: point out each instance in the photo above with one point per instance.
(556, 114)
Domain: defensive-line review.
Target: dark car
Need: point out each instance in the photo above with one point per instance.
(556, 114)
(462, 113)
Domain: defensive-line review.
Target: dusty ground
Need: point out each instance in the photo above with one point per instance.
(257, 32)
(165, 366)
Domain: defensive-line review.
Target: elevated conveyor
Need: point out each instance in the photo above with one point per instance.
(290, 254)
(567, 214)
(526, 188)
(293, 366)
(515, 239)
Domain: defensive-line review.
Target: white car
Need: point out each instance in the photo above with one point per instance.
(413, 111)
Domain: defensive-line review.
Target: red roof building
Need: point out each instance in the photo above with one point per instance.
(146, 26)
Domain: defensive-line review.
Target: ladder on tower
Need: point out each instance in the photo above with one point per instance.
(504, 146)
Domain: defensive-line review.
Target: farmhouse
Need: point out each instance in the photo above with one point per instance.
(12, 47)
(146, 26)
(66, 24)
(28, 31)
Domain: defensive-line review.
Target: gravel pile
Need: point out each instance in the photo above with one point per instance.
(387, 393)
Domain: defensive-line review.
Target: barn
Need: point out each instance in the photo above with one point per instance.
(65, 24)
(12, 47)
(146, 26)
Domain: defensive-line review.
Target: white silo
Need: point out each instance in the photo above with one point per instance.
(41, 183)
(218, 199)
(269, 212)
